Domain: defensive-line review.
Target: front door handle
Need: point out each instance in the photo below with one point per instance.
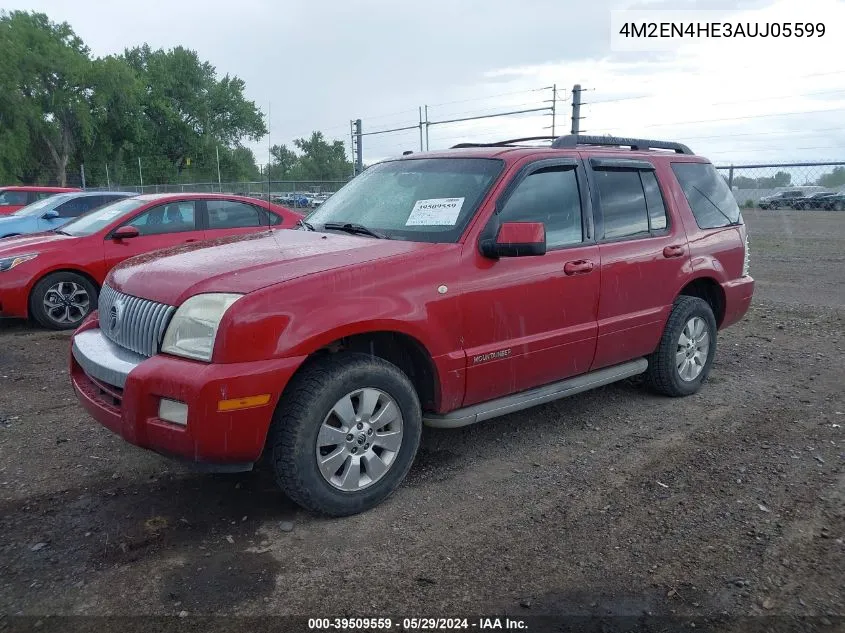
(193, 239)
(579, 267)
(673, 251)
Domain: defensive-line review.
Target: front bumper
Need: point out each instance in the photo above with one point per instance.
(122, 391)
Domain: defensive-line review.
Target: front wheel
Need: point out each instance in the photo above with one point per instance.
(345, 434)
(62, 300)
(684, 357)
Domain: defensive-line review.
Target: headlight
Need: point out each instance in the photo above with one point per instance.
(192, 330)
(8, 263)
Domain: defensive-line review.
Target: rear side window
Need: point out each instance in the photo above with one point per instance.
(229, 214)
(549, 196)
(12, 198)
(76, 207)
(707, 193)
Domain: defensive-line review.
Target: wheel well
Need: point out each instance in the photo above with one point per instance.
(709, 290)
(404, 351)
(81, 273)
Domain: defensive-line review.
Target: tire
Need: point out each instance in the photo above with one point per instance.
(59, 289)
(302, 421)
(664, 372)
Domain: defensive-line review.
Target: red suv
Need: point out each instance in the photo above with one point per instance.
(443, 288)
(17, 197)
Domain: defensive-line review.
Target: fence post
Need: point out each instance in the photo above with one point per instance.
(731, 178)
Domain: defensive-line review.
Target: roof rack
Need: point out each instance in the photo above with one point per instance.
(571, 141)
(505, 143)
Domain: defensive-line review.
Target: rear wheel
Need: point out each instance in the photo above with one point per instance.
(684, 357)
(62, 300)
(345, 434)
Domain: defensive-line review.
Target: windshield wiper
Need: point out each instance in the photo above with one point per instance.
(306, 225)
(60, 232)
(350, 227)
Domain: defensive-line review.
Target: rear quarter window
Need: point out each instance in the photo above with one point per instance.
(707, 193)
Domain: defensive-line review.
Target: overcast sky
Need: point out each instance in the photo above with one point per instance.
(322, 63)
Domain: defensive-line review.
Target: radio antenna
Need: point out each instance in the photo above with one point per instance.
(269, 160)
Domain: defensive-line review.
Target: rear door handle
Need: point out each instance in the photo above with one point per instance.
(579, 267)
(673, 251)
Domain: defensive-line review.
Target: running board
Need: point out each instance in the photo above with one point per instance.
(533, 397)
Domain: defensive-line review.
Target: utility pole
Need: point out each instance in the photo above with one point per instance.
(576, 108)
(140, 173)
(219, 184)
(554, 106)
(359, 149)
(421, 129)
(82, 173)
(108, 180)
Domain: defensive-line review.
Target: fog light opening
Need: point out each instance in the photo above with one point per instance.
(173, 411)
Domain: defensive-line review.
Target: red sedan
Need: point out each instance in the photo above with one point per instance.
(55, 277)
(14, 198)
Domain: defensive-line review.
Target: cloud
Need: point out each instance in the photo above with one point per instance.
(321, 63)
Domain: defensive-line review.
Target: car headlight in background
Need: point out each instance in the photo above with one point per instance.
(192, 330)
(7, 263)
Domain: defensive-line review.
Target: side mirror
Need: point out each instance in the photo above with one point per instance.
(125, 233)
(52, 214)
(516, 239)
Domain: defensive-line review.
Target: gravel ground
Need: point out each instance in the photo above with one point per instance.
(613, 502)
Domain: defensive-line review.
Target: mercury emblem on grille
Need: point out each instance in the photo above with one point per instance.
(115, 316)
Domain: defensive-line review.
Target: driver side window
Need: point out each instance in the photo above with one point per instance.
(174, 217)
(550, 196)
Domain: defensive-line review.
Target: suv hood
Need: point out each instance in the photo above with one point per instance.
(246, 263)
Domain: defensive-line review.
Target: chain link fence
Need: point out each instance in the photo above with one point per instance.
(787, 185)
(295, 193)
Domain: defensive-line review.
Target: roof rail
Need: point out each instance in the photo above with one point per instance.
(505, 143)
(570, 141)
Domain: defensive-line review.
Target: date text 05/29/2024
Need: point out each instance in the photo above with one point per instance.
(416, 624)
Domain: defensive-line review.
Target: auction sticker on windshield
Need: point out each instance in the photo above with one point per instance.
(435, 212)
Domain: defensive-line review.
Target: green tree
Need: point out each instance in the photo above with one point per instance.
(188, 111)
(317, 159)
(780, 179)
(322, 160)
(833, 179)
(53, 85)
(284, 162)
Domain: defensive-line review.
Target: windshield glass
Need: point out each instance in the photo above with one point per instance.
(92, 222)
(419, 200)
(42, 205)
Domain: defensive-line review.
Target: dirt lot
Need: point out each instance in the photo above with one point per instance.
(612, 502)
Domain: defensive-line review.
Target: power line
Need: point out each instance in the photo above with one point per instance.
(742, 118)
(501, 94)
(722, 136)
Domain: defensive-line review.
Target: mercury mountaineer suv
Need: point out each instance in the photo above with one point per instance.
(442, 288)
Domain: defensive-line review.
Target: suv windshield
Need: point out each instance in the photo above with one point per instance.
(419, 200)
(92, 222)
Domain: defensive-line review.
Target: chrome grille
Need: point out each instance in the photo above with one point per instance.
(134, 323)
